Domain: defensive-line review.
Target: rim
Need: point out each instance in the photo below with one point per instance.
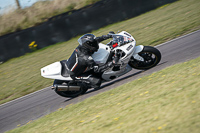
(150, 60)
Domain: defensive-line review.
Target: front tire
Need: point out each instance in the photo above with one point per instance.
(69, 94)
(151, 56)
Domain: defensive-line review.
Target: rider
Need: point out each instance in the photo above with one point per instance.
(81, 60)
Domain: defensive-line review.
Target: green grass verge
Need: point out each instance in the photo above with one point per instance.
(164, 102)
(21, 76)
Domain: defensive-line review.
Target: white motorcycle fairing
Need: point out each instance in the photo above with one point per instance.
(101, 56)
(53, 71)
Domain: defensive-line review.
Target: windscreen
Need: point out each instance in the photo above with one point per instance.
(119, 40)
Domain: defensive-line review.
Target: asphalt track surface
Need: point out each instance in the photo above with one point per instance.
(40, 103)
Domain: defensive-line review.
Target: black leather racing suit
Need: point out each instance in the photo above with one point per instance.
(82, 61)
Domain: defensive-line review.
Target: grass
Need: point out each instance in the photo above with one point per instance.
(40, 12)
(164, 102)
(21, 76)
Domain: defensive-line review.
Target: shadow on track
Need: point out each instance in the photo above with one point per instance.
(114, 81)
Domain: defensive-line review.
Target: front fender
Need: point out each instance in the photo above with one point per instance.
(138, 49)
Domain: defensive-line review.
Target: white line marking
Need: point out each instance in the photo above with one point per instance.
(177, 38)
(24, 96)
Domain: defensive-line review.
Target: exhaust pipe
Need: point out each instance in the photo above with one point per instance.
(66, 88)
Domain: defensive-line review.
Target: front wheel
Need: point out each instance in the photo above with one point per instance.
(69, 94)
(151, 56)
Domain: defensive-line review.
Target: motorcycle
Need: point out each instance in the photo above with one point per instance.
(122, 44)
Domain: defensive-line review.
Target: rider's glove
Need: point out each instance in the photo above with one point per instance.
(110, 34)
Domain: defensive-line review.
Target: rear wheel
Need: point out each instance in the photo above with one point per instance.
(69, 94)
(151, 58)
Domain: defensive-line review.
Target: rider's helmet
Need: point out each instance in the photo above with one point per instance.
(89, 43)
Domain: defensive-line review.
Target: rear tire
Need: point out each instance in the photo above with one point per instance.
(151, 55)
(69, 94)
